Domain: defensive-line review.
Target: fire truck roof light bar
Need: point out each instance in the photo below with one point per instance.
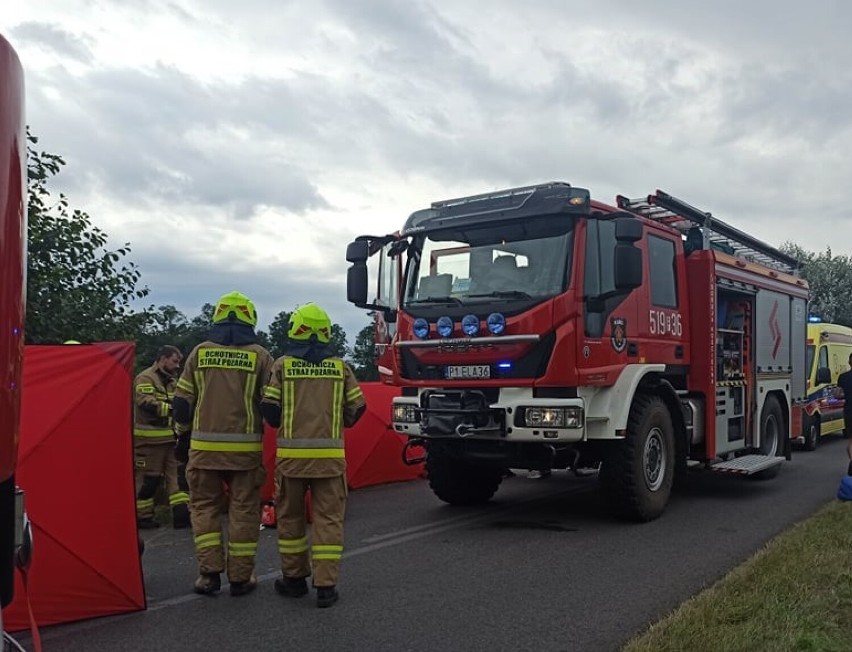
(676, 213)
(500, 194)
(547, 199)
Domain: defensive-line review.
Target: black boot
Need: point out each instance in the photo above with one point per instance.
(326, 596)
(291, 587)
(147, 523)
(180, 516)
(207, 583)
(243, 588)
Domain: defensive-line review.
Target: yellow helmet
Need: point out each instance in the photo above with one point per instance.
(310, 320)
(238, 304)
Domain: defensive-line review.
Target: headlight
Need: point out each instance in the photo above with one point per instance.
(421, 328)
(553, 417)
(404, 413)
(444, 326)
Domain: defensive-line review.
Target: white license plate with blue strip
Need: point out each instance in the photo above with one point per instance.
(467, 372)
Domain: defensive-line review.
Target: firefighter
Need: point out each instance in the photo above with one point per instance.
(220, 430)
(844, 390)
(153, 440)
(310, 397)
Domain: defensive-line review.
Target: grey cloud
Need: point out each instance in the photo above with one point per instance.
(55, 40)
(791, 102)
(140, 7)
(770, 30)
(409, 31)
(164, 136)
(414, 98)
(273, 287)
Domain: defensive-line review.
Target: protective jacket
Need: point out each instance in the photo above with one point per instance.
(844, 382)
(219, 396)
(154, 390)
(314, 400)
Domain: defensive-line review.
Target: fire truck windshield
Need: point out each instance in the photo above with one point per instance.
(514, 260)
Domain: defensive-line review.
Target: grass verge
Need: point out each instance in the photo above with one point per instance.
(795, 594)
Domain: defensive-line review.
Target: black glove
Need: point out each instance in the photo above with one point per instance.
(182, 449)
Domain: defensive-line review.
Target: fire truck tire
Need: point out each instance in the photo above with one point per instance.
(457, 482)
(637, 476)
(812, 433)
(771, 427)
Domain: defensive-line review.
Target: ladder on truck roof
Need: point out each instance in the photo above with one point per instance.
(673, 212)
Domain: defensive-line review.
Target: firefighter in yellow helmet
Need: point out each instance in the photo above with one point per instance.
(153, 440)
(310, 397)
(220, 430)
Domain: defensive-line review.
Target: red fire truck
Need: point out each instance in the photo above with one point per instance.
(535, 328)
(13, 147)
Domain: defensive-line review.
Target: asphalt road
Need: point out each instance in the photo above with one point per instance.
(543, 567)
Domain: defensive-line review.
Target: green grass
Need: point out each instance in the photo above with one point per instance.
(795, 594)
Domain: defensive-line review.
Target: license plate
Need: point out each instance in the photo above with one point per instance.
(465, 372)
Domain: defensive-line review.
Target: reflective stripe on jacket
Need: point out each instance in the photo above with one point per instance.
(226, 441)
(152, 431)
(153, 392)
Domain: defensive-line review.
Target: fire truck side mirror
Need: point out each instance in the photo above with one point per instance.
(628, 229)
(628, 259)
(356, 284)
(358, 251)
(627, 274)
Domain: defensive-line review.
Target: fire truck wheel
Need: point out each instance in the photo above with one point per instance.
(637, 476)
(812, 433)
(457, 482)
(771, 428)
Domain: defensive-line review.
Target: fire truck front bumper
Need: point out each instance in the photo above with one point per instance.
(514, 416)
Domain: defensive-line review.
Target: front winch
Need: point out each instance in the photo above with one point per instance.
(459, 413)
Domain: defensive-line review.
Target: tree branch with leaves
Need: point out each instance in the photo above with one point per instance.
(77, 287)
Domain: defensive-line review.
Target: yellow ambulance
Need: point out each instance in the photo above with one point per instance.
(828, 349)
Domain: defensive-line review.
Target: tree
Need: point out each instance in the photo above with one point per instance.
(364, 354)
(77, 288)
(278, 334)
(339, 345)
(830, 281)
(168, 325)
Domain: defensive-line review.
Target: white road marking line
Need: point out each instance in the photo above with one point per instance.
(382, 541)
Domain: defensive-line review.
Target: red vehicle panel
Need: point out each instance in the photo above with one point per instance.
(13, 233)
(12, 250)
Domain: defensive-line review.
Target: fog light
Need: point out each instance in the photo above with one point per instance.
(496, 323)
(470, 325)
(553, 417)
(404, 413)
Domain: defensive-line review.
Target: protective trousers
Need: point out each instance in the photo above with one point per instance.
(153, 461)
(322, 556)
(206, 496)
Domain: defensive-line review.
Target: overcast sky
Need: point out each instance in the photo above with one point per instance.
(242, 145)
